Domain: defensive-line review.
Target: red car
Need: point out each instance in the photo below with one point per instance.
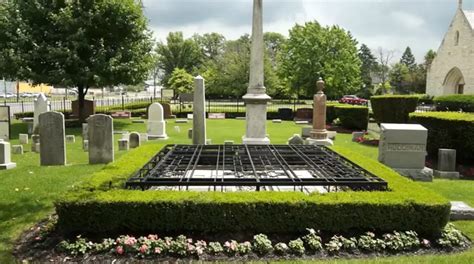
(352, 99)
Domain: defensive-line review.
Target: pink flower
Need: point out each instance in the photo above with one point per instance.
(189, 240)
(426, 243)
(119, 250)
(143, 249)
(157, 250)
(38, 238)
(153, 237)
(130, 241)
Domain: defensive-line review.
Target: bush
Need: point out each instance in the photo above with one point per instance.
(393, 108)
(455, 102)
(353, 117)
(114, 210)
(448, 130)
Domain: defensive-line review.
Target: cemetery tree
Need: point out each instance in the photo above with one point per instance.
(178, 53)
(369, 64)
(429, 57)
(83, 44)
(211, 45)
(181, 81)
(313, 51)
(408, 59)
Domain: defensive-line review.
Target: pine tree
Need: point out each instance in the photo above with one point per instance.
(408, 59)
(369, 63)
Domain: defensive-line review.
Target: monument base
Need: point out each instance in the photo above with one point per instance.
(446, 174)
(255, 141)
(7, 166)
(157, 137)
(319, 142)
(425, 174)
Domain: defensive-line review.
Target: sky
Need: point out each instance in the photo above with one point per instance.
(390, 24)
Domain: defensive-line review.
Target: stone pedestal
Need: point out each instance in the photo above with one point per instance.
(403, 148)
(5, 156)
(256, 117)
(319, 134)
(320, 142)
(199, 112)
(446, 164)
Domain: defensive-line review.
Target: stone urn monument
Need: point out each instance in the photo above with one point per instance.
(319, 134)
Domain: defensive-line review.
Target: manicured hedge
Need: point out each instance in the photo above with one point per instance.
(353, 117)
(448, 130)
(102, 207)
(393, 108)
(455, 102)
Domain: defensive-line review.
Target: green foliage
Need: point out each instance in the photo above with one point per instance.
(297, 246)
(408, 59)
(455, 102)
(261, 244)
(451, 237)
(281, 248)
(404, 207)
(450, 130)
(181, 81)
(77, 44)
(178, 53)
(211, 45)
(312, 51)
(353, 117)
(313, 241)
(368, 65)
(393, 108)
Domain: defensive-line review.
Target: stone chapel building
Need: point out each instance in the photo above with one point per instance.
(452, 71)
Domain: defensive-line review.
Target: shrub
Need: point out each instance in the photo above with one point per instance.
(281, 248)
(393, 108)
(215, 248)
(353, 117)
(261, 244)
(455, 102)
(451, 130)
(297, 246)
(406, 206)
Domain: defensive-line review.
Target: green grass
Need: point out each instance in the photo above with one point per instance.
(27, 192)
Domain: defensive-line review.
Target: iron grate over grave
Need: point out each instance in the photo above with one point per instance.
(306, 168)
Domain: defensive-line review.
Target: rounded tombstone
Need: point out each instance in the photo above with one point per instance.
(134, 140)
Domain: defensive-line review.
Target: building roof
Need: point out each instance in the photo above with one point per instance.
(470, 17)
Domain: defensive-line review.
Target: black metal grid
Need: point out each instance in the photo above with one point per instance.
(258, 166)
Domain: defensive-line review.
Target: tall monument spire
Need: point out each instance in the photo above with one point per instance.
(256, 99)
(460, 4)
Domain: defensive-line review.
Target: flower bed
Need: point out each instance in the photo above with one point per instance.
(311, 244)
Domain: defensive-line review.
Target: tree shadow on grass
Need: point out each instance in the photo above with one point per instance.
(14, 218)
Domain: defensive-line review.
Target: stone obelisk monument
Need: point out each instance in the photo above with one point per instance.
(319, 134)
(256, 99)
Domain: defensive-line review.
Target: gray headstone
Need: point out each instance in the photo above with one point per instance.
(70, 138)
(5, 123)
(123, 144)
(447, 159)
(23, 138)
(461, 211)
(52, 138)
(101, 145)
(143, 137)
(190, 133)
(35, 139)
(17, 149)
(276, 121)
(296, 140)
(134, 140)
(85, 145)
(199, 112)
(5, 156)
(181, 121)
(85, 133)
(356, 135)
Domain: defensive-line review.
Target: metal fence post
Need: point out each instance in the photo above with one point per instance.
(22, 107)
(123, 104)
(64, 104)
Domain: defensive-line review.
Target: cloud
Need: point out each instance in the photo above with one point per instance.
(391, 24)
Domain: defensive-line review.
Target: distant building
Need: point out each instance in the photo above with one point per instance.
(24, 87)
(452, 71)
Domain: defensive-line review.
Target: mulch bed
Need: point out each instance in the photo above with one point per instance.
(39, 246)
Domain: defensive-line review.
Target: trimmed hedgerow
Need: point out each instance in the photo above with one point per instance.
(393, 108)
(455, 102)
(102, 206)
(448, 130)
(353, 117)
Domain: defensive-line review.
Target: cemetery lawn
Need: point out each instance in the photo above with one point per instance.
(27, 193)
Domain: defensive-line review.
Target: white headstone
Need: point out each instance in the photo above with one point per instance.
(52, 138)
(41, 106)
(5, 123)
(199, 112)
(101, 145)
(156, 122)
(5, 156)
(70, 138)
(17, 149)
(23, 138)
(403, 148)
(85, 133)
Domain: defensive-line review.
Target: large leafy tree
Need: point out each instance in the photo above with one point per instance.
(211, 44)
(181, 81)
(313, 51)
(429, 57)
(77, 43)
(178, 52)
